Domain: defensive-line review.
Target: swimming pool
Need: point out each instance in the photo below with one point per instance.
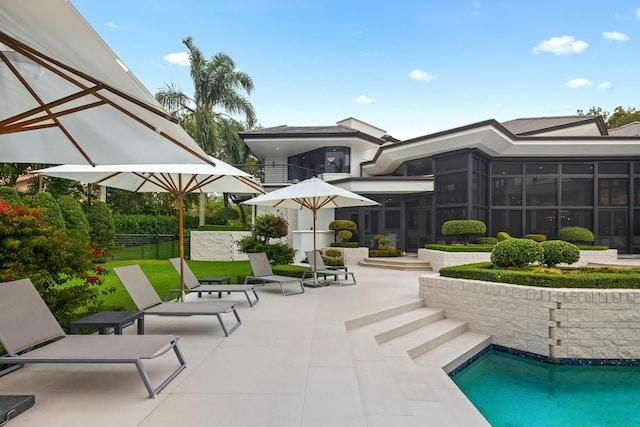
(514, 391)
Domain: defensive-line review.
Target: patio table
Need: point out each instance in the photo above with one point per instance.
(106, 320)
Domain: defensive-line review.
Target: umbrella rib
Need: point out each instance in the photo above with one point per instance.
(44, 61)
(26, 125)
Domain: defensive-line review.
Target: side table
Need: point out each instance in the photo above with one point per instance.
(106, 320)
(216, 279)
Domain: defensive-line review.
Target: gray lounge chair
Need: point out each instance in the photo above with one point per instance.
(192, 284)
(148, 301)
(26, 322)
(319, 268)
(262, 273)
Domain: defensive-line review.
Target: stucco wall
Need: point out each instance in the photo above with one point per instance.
(561, 323)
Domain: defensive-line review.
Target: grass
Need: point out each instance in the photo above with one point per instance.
(164, 277)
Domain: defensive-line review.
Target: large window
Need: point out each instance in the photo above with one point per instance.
(451, 188)
(507, 220)
(323, 160)
(613, 191)
(577, 192)
(506, 191)
(541, 191)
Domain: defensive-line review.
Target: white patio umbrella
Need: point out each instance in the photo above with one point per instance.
(313, 194)
(65, 97)
(177, 179)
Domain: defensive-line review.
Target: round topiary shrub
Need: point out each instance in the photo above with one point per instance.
(576, 234)
(516, 253)
(344, 235)
(536, 237)
(226, 214)
(502, 235)
(558, 252)
(464, 228)
(342, 224)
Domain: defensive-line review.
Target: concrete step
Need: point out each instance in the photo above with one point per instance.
(454, 352)
(401, 324)
(428, 337)
(383, 314)
(403, 263)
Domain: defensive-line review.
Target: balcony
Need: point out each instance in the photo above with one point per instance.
(277, 173)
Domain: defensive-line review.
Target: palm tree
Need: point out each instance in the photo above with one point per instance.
(208, 116)
(217, 95)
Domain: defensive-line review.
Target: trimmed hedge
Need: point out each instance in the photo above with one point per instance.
(536, 237)
(489, 241)
(377, 253)
(342, 224)
(516, 253)
(575, 234)
(502, 235)
(345, 245)
(582, 277)
(463, 228)
(559, 252)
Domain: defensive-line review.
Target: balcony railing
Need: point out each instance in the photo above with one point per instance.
(277, 173)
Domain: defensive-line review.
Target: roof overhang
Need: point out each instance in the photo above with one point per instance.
(386, 185)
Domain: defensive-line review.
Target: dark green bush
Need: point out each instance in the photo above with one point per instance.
(10, 196)
(575, 234)
(266, 227)
(516, 253)
(392, 252)
(50, 214)
(463, 228)
(491, 241)
(102, 232)
(342, 224)
(536, 237)
(502, 235)
(269, 226)
(73, 215)
(226, 214)
(558, 252)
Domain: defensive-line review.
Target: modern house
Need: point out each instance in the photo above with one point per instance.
(530, 175)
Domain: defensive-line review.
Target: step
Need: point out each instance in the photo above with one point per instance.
(426, 338)
(395, 265)
(455, 352)
(383, 314)
(401, 324)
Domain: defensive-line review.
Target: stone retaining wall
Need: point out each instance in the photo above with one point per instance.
(560, 323)
(441, 259)
(217, 245)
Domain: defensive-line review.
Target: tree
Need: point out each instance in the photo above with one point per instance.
(620, 117)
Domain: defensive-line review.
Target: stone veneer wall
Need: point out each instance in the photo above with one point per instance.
(217, 245)
(559, 323)
(441, 259)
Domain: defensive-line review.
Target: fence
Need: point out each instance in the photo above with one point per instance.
(149, 246)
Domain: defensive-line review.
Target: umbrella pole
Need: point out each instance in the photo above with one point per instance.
(181, 240)
(315, 254)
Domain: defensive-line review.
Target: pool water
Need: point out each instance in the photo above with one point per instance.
(514, 391)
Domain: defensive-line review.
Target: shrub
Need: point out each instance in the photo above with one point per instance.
(226, 214)
(516, 253)
(464, 228)
(73, 215)
(382, 241)
(575, 234)
(345, 245)
(145, 224)
(536, 237)
(502, 235)
(489, 241)
(390, 252)
(269, 226)
(333, 253)
(50, 214)
(101, 225)
(342, 224)
(10, 196)
(558, 252)
(344, 235)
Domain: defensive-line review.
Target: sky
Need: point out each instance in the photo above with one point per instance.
(410, 67)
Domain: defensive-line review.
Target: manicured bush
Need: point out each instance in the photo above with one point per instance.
(516, 253)
(344, 235)
(333, 253)
(345, 245)
(491, 241)
(463, 228)
(73, 215)
(145, 224)
(558, 252)
(342, 224)
(502, 235)
(102, 232)
(390, 252)
(382, 241)
(266, 227)
(576, 234)
(536, 237)
(50, 214)
(226, 214)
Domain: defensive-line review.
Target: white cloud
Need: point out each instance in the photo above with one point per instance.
(180, 58)
(421, 75)
(364, 99)
(605, 85)
(578, 83)
(565, 45)
(615, 36)
(111, 24)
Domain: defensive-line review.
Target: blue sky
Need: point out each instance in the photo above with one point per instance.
(410, 67)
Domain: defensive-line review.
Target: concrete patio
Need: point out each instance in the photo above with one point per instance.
(291, 363)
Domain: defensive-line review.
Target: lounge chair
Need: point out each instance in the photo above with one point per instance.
(148, 301)
(319, 268)
(192, 284)
(262, 273)
(26, 322)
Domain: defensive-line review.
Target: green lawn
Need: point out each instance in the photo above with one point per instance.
(163, 276)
